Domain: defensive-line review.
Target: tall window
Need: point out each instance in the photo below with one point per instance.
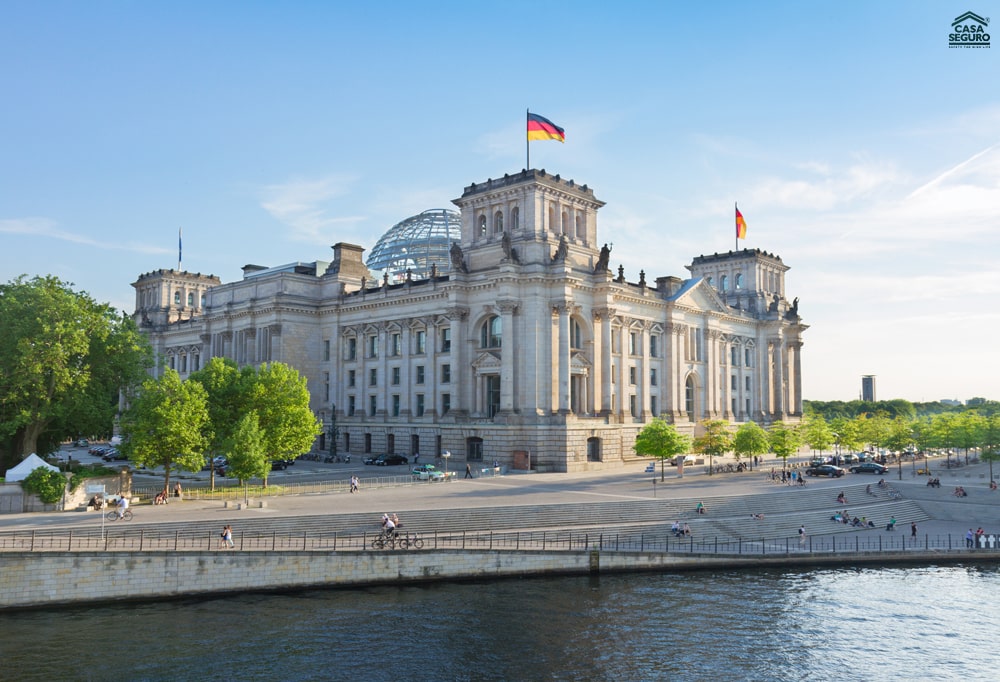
(734, 355)
(632, 409)
(445, 374)
(654, 346)
(482, 226)
(739, 280)
(575, 335)
(633, 344)
(326, 350)
(652, 376)
(631, 376)
(395, 404)
(390, 443)
(421, 342)
(492, 395)
(326, 384)
(654, 408)
(446, 340)
(350, 406)
(734, 384)
(368, 442)
(373, 377)
(420, 374)
(351, 377)
(723, 282)
(395, 344)
(497, 222)
(445, 403)
(372, 405)
(191, 299)
(515, 218)
(747, 358)
(177, 298)
(373, 346)
(420, 405)
(352, 349)
(491, 332)
(395, 376)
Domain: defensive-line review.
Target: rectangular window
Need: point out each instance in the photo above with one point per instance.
(633, 343)
(195, 363)
(350, 406)
(445, 402)
(746, 358)
(654, 343)
(326, 350)
(352, 349)
(748, 384)
(326, 385)
(395, 404)
(420, 374)
(735, 383)
(421, 341)
(395, 344)
(734, 356)
(368, 442)
(184, 364)
(347, 442)
(372, 405)
(653, 406)
(631, 376)
(446, 340)
(748, 406)
(173, 362)
(632, 405)
(373, 346)
(615, 343)
(351, 378)
(390, 443)
(734, 405)
(420, 404)
(373, 377)
(445, 374)
(652, 377)
(395, 376)
(613, 373)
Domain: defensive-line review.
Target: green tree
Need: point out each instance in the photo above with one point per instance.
(784, 441)
(247, 456)
(63, 360)
(817, 433)
(991, 441)
(716, 441)
(846, 433)
(750, 440)
(165, 425)
(225, 388)
(661, 440)
(278, 394)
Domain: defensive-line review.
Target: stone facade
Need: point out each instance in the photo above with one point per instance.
(531, 351)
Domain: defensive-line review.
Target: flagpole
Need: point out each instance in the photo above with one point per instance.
(527, 142)
(736, 209)
(180, 250)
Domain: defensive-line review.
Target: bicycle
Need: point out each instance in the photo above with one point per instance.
(408, 541)
(384, 539)
(126, 516)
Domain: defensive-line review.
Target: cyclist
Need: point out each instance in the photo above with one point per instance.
(122, 506)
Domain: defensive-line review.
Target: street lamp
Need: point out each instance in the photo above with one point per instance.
(446, 455)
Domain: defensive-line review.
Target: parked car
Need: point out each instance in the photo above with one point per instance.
(82, 443)
(850, 458)
(825, 470)
(869, 468)
(429, 472)
(370, 459)
(278, 465)
(686, 459)
(391, 460)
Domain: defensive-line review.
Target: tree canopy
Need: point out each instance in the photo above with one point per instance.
(661, 440)
(63, 360)
(715, 441)
(750, 440)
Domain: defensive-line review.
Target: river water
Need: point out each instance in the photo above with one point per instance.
(924, 623)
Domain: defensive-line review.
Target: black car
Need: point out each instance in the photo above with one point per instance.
(825, 470)
(390, 460)
(869, 468)
(278, 464)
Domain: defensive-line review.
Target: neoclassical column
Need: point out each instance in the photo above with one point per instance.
(407, 369)
(622, 407)
(779, 378)
(797, 403)
(678, 384)
(725, 379)
(644, 385)
(460, 372)
(563, 309)
(604, 366)
(507, 359)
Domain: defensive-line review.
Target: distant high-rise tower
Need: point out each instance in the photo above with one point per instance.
(868, 388)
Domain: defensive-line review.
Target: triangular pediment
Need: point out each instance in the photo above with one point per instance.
(698, 293)
(487, 360)
(579, 361)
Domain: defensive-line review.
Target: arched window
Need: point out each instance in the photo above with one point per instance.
(203, 300)
(710, 280)
(689, 398)
(482, 226)
(739, 280)
(515, 218)
(553, 225)
(581, 229)
(492, 332)
(177, 298)
(723, 282)
(565, 223)
(190, 299)
(497, 222)
(575, 335)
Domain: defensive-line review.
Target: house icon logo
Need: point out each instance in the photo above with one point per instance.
(969, 30)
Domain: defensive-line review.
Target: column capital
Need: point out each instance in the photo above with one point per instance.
(456, 312)
(508, 306)
(604, 313)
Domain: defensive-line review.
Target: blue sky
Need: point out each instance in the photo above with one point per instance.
(861, 149)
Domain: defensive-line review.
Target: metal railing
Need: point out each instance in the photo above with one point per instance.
(230, 490)
(152, 540)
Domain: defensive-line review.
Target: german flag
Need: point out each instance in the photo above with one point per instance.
(541, 128)
(741, 225)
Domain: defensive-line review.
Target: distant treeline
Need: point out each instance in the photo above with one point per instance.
(834, 409)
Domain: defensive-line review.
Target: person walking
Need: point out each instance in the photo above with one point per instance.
(802, 535)
(913, 530)
(468, 470)
(969, 539)
(354, 484)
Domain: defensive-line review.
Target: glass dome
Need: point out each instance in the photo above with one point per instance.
(417, 243)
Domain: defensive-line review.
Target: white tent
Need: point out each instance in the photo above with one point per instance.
(22, 470)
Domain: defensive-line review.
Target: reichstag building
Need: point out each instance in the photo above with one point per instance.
(498, 332)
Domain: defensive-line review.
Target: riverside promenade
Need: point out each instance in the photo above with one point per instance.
(491, 527)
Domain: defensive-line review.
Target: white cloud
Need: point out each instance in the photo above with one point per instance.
(304, 205)
(44, 227)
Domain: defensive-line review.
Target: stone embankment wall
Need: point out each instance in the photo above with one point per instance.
(32, 579)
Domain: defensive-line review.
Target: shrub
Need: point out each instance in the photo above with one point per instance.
(47, 484)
